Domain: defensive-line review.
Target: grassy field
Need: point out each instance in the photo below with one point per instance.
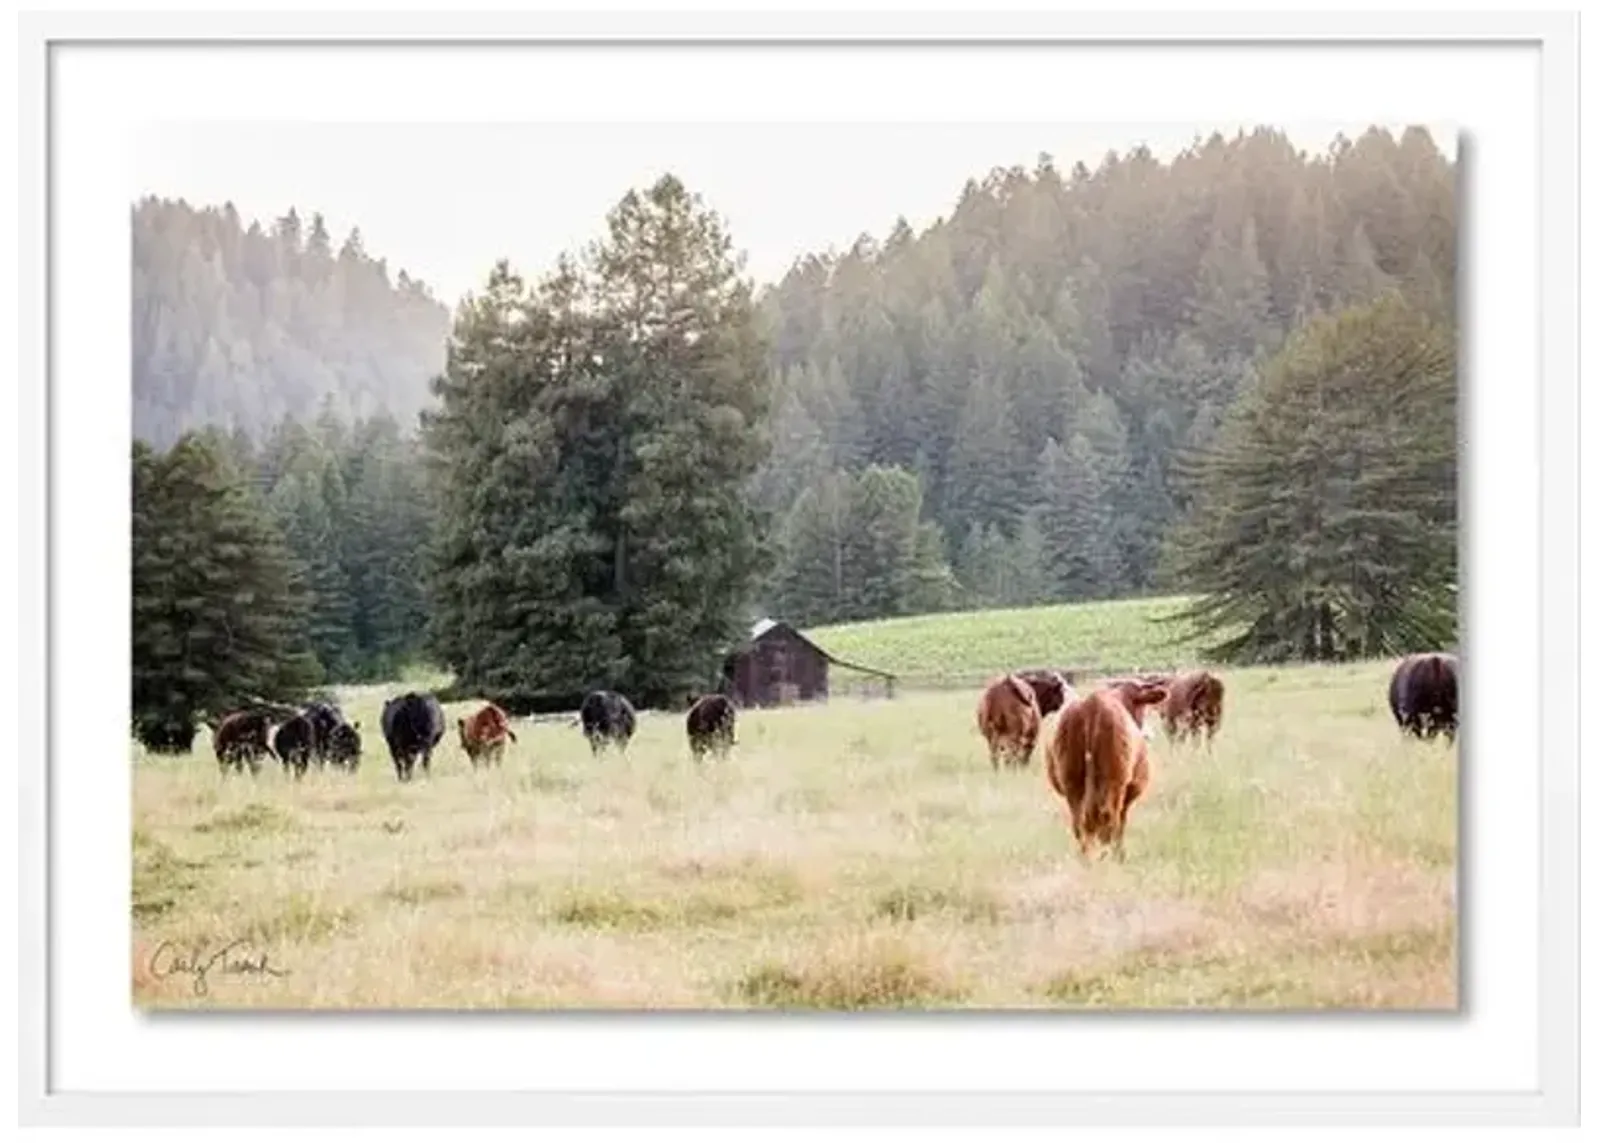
(964, 648)
(861, 854)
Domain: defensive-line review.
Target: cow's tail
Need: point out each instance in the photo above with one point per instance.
(1091, 791)
(1100, 791)
(511, 734)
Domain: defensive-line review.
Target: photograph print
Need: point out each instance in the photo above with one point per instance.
(795, 566)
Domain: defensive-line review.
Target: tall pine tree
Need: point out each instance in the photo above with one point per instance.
(681, 339)
(1324, 526)
(219, 610)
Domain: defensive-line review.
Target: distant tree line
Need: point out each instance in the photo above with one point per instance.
(1040, 359)
(1233, 375)
(260, 571)
(238, 326)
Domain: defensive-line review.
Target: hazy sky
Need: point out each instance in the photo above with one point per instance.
(443, 201)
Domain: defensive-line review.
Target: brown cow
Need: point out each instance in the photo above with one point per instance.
(484, 735)
(1008, 719)
(243, 738)
(1098, 760)
(1135, 681)
(1050, 688)
(1193, 706)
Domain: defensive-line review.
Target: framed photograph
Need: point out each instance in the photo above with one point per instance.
(799, 568)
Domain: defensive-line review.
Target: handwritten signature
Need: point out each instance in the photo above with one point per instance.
(231, 960)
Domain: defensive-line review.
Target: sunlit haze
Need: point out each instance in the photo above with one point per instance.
(444, 201)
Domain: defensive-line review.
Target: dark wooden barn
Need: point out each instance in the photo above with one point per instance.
(777, 665)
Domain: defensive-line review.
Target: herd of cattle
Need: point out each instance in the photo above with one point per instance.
(413, 725)
(1097, 753)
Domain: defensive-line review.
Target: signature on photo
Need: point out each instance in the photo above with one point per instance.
(236, 958)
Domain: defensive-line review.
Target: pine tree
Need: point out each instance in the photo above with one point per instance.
(983, 567)
(389, 511)
(682, 339)
(1085, 325)
(1029, 582)
(1357, 277)
(1104, 471)
(1232, 308)
(983, 484)
(219, 612)
(803, 450)
(521, 455)
(810, 580)
(302, 516)
(880, 548)
(1325, 522)
(933, 587)
(1075, 522)
(1048, 390)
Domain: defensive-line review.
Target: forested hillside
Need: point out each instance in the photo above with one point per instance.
(237, 326)
(1041, 358)
(1231, 376)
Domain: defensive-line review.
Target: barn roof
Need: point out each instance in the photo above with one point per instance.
(765, 626)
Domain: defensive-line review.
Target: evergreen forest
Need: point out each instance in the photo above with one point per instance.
(1231, 375)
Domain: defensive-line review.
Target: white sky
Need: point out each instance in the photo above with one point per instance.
(443, 201)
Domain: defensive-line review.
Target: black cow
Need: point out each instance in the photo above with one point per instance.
(295, 742)
(711, 723)
(325, 717)
(413, 724)
(1422, 695)
(336, 741)
(607, 720)
(241, 739)
(165, 734)
(343, 745)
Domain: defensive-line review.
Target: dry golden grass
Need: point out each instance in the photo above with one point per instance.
(856, 855)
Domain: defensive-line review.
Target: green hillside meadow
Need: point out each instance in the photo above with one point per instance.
(966, 647)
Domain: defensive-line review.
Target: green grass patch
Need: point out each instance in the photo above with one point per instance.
(962, 648)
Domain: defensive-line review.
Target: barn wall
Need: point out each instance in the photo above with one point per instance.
(778, 668)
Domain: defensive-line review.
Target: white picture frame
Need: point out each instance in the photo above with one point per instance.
(1551, 1099)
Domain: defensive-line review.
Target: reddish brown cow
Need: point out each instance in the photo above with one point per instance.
(243, 738)
(1008, 719)
(1193, 706)
(484, 735)
(1098, 760)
